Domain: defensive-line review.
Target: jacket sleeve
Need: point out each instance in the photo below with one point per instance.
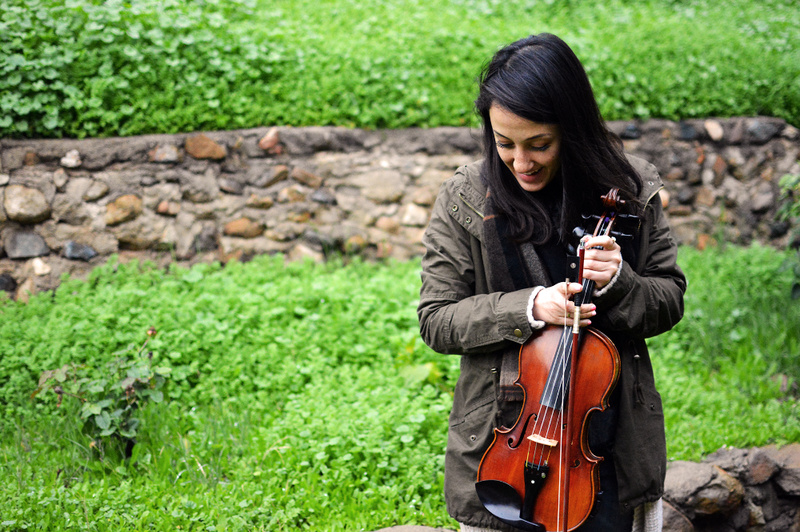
(456, 316)
(647, 299)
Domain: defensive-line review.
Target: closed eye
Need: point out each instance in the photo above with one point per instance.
(508, 146)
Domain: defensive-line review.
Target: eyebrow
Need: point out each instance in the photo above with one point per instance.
(529, 138)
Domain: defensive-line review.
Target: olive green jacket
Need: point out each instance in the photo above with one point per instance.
(458, 315)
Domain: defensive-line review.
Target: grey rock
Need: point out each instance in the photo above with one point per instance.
(702, 489)
(686, 195)
(60, 178)
(675, 521)
(14, 157)
(71, 212)
(760, 131)
(309, 140)
(165, 153)
(380, 186)
(323, 196)
(230, 185)
(76, 251)
(25, 245)
(199, 188)
(325, 242)
(206, 240)
(687, 132)
(96, 190)
(779, 228)
(631, 132)
(8, 283)
(763, 198)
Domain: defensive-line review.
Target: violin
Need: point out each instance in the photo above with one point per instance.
(540, 475)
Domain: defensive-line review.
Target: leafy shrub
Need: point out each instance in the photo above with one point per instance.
(110, 399)
(94, 67)
(87, 67)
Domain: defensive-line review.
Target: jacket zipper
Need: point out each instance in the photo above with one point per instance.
(637, 386)
(470, 205)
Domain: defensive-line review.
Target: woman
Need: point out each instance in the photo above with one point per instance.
(494, 269)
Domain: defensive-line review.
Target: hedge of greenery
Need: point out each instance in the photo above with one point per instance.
(107, 67)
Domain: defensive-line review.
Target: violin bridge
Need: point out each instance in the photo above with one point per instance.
(542, 440)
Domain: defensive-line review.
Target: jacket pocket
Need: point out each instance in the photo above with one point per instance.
(468, 438)
(474, 431)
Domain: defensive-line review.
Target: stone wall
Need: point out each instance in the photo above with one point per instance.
(735, 490)
(66, 205)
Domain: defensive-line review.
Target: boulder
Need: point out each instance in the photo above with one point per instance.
(25, 205)
(702, 489)
(123, 209)
(202, 147)
(21, 244)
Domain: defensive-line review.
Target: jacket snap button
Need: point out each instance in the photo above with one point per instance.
(518, 333)
(472, 437)
(468, 219)
(455, 208)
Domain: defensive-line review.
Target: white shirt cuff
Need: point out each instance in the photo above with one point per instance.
(535, 324)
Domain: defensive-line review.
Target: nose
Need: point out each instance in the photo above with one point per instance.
(522, 161)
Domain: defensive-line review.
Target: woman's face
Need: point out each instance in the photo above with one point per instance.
(529, 149)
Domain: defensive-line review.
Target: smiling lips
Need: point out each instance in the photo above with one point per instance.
(530, 177)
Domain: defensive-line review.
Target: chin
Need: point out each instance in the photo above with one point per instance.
(535, 186)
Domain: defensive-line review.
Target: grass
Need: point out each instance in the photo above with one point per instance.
(91, 68)
(729, 369)
(301, 396)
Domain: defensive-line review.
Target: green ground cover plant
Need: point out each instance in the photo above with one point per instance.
(300, 396)
(81, 68)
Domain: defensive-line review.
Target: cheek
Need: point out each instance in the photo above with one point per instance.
(505, 157)
(551, 158)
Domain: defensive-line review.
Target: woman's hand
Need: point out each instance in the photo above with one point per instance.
(553, 305)
(602, 259)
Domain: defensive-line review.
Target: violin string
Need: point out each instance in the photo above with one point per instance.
(547, 420)
(561, 363)
(563, 444)
(562, 450)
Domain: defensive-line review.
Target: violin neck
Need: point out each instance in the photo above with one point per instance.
(585, 295)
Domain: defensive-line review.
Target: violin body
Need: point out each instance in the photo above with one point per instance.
(513, 448)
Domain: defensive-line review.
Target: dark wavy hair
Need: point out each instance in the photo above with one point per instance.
(540, 78)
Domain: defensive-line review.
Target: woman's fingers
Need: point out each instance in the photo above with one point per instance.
(553, 305)
(602, 259)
